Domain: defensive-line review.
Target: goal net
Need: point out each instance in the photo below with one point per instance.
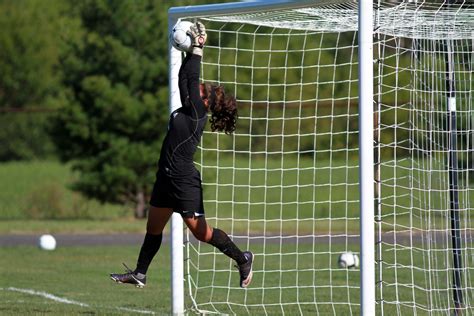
(285, 185)
(425, 184)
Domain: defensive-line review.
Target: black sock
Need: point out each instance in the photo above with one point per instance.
(151, 245)
(221, 241)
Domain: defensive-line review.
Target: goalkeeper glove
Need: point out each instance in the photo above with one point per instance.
(199, 36)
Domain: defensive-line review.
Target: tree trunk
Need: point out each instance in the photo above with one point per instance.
(140, 207)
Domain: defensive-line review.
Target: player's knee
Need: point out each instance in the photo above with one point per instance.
(202, 235)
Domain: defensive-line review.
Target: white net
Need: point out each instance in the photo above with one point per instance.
(286, 185)
(412, 19)
(426, 189)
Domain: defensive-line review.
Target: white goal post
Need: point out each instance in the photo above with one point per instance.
(355, 134)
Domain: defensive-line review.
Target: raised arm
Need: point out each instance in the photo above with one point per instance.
(188, 80)
(190, 71)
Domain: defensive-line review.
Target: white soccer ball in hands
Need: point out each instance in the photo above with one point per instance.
(47, 242)
(348, 260)
(180, 38)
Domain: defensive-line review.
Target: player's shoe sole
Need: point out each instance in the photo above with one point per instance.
(128, 278)
(119, 279)
(246, 270)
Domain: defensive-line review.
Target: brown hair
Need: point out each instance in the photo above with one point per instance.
(223, 109)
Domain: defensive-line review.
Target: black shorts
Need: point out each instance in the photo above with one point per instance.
(182, 194)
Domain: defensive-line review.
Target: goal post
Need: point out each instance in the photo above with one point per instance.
(351, 139)
(366, 114)
(366, 157)
(177, 229)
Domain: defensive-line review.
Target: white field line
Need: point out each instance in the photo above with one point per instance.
(47, 295)
(68, 301)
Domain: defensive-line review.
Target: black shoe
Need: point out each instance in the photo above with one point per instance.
(129, 277)
(245, 270)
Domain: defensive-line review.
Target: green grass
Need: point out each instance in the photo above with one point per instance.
(35, 198)
(322, 195)
(309, 283)
(39, 189)
(302, 192)
(242, 195)
(79, 274)
(79, 226)
(289, 273)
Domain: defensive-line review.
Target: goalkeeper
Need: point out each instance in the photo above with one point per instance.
(178, 183)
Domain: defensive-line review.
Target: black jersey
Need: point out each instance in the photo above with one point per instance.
(186, 124)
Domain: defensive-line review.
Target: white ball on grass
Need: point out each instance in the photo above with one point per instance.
(47, 242)
(348, 260)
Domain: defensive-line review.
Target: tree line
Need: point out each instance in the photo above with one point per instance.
(87, 83)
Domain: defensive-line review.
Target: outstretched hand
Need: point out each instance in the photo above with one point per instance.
(199, 37)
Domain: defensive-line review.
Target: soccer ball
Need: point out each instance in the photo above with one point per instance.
(348, 260)
(47, 242)
(179, 37)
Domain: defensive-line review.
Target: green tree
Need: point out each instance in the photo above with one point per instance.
(114, 110)
(30, 44)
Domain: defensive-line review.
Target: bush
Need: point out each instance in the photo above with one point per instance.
(45, 202)
(41, 190)
(24, 136)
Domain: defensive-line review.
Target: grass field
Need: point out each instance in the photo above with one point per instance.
(74, 281)
(290, 278)
(79, 226)
(78, 279)
(316, 196)
(39, 190)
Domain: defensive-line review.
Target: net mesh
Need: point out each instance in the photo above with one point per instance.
(419, 179)
(410, 19)
(285, 184)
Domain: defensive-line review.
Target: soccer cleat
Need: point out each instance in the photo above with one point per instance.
(128, 277)
(245, 270)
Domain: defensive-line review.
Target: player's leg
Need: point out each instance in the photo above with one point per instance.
(158, 217)
(219, 239)
(157, 220)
